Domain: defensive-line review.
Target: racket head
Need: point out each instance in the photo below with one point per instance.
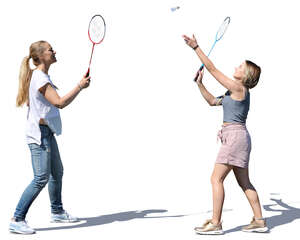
(97, 28)
(222, 28)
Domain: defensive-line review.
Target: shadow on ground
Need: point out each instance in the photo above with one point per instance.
(110, 218)
(288, 215)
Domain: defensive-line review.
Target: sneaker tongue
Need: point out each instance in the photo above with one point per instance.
(207, 222)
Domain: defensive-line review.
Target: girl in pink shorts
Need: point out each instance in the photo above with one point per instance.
(236, 142)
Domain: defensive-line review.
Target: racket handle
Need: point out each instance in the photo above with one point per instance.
(197, 75)
(87, 73)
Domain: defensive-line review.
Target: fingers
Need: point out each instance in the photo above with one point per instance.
(199, 76)
(186, 39)
(85, 81)
(88, 80)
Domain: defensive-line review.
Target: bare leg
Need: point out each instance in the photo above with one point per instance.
(217, 178)
(242, 177)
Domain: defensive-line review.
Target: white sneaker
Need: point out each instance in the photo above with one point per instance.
(63, 218)
(20, 227)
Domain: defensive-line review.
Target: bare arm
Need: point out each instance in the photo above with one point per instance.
(210, 99)
(60, 102)
(218, 75)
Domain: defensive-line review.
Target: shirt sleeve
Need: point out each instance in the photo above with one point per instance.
(40, 80)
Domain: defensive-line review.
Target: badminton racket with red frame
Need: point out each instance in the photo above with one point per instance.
(96, 33)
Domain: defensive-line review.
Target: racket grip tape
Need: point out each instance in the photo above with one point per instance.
(197, 75)
(87, 73)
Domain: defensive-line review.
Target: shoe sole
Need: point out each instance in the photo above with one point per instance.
(20, 232)
(64, 221)
(218, 232)
(258, 230)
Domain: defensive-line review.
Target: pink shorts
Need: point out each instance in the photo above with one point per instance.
(236, 145)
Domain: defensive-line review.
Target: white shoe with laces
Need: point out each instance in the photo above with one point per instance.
(63, 218)
(20, 227)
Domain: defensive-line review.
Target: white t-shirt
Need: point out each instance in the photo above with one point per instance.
(39, 108)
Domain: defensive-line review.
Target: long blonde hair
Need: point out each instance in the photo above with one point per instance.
(35, 50)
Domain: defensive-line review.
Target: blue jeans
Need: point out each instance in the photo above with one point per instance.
(47, 168)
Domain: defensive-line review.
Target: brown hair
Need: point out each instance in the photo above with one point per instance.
(35, 50)
(252, 73)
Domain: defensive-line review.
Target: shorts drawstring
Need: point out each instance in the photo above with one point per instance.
(220, 136)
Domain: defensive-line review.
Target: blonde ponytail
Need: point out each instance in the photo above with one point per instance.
(35, 50)
(24, 82)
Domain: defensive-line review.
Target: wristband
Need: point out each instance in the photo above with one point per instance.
(80, 88)
(195, 47)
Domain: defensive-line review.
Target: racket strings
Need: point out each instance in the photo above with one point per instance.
(223, 28)
(97, 29)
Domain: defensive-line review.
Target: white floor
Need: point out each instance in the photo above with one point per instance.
(118, 218)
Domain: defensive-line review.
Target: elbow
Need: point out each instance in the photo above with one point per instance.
(212, 102)
(59, 105)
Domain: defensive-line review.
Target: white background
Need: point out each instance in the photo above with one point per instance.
(141, 137)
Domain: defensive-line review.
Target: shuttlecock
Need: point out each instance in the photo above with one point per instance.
(174, 8)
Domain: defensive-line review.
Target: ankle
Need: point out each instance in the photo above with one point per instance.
(215, 222)
(259, 220)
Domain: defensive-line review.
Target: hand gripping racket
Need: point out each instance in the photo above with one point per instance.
(219, 35)
(96, 33)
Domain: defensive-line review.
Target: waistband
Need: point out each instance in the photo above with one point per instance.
(233, 126)
(230, 127)
(43, 125)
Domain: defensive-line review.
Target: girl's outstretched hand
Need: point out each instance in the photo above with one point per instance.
(191, 42)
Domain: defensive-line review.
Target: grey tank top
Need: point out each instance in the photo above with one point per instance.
(235, 111)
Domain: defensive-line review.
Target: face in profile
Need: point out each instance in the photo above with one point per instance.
(240, 71)
(48, 55)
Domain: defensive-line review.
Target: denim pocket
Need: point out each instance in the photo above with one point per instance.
(33, 146)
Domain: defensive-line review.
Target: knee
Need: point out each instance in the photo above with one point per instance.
(216, 180)
(41, 181)
(58, 174)
(245, 185)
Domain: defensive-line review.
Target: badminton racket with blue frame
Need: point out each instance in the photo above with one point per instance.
(219, 35)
